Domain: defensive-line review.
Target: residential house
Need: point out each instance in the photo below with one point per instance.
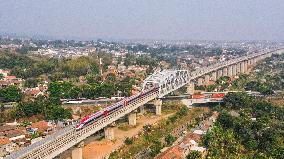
(10, 80)
(4, 72)
(41, 126)
(175, 152)
(6, 146)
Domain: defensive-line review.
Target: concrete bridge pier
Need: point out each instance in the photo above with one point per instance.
(132, 119)
(190, 88)
(220, 73)
(77, 152)
(225, 71)
(249, 63)
(253, 62)
(206, 79)
(230, 71)
(142, 109)
(158, 105)
(257, 59)
(238, 66)
(200, 81)
(234, 70)
(245, 66)
(242, 67)
(109, 133)
(214, 76)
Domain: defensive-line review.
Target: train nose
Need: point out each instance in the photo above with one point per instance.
(77, 126)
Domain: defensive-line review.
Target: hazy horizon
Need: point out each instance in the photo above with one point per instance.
(149, 20)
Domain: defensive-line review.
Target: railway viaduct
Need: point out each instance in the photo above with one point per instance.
(168, 81)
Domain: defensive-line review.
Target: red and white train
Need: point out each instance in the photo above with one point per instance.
(106, 111)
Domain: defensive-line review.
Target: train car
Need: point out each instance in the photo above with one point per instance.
(88, 119)
(111, 108)
(218, 95)
(105, 112)
(197, 96)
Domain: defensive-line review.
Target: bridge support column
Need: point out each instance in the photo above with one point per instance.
(214, 76)
(190, 88)
(242, 67)
(220, 73)
(253, 61)
(230, 71)
(238, 66)
(109, 133)
(200, 82)
(142, 109)
(245, 66)
(249, 66)
(132, 119)
(257, 59)
(234, 70)
(206, 79)
(249, 62)
(225, 71)
(158, 105)
(77, 152)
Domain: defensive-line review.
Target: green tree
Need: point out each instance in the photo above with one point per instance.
(128, 141)
(31, 82)
(129, 60)
(125, 86)
(56, 112)
(237, 100)
(27, 109)
(183, 111)
(155, 147)
(110, 77)
(211, 87)
(2, 113)
(170, 139)
(194, 155)
(11, 94)
(1, 76)
(226, 120)
(61, 90)
(223, 144)
(87, 91)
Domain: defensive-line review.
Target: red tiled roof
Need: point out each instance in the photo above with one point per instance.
(4, 140)
(6, 128)
(174, 152)
(10, 77)
(35, 91)
(4, 71)
(13, 133)
(192, 136)
(41, 126)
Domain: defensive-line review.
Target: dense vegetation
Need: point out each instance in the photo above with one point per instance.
(267, 77)
(158, 136)
(62, 75)
(10, 94)
(254, 130)
(46, 108)
(10, 60)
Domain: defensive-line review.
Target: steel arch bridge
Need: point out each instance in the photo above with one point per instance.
(167, 80)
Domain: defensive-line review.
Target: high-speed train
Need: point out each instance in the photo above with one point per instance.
(106, 111)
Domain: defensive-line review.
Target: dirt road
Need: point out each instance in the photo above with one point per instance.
(100, 149)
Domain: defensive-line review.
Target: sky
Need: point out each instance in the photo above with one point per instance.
(145, 19)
